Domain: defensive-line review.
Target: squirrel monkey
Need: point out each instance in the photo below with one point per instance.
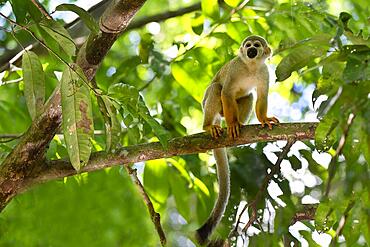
(230, 95)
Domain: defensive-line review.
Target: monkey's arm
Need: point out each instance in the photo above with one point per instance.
(261, 106)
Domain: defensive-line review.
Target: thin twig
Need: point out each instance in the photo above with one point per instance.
(156, 219)
(261, 191)
(342, 223)
(333, 163)
(308, 213)
(42, 9)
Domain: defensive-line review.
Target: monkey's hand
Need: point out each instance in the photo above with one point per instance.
(269, 121)
(233, 130)
(214, 130)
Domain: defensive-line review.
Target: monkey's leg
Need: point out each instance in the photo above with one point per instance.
(261, 108)
(245, 105)
(230, 110)
(212, 108)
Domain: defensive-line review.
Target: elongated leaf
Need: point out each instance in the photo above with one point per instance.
(112, 126)
(162, 134)
(181, 192)
(34, 83)
(60, 35)
(77, 117)
(301, 55)
(19, 10)
(83, 14)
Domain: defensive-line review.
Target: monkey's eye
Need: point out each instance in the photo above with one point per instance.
(248, 45)
(257, 45)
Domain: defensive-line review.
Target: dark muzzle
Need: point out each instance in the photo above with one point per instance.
(252, 52)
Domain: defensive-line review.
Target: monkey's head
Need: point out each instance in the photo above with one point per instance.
(255, 48)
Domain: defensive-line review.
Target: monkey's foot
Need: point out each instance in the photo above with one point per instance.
(233, 130)
(269, 121)
(214, 130)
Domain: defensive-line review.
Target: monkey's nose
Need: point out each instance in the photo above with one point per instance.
(252, 52)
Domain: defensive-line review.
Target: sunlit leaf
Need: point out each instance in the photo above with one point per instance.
(34, 83)
(181, 192)
(77, 116)
(197, 23)
(210, 8)
(156, 181)
(195, 71)
(232, 3)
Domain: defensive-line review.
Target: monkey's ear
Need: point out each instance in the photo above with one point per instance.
(268, 51)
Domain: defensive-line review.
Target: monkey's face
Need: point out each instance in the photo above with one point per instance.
(255, 48)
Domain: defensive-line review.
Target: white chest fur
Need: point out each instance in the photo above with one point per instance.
(247, 80)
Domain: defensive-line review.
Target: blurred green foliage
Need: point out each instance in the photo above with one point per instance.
(153, 80)
(98, 209)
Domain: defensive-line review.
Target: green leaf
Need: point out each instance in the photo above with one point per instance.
(197, 23)
(357, 67)
(124, 93)
(210, 8)
(34, 83)
(112, 126)
(156, 181)
(162, 134)
(308, 236)
(60, 35)
(181, 193)
(19, 10)
(301, 55)
(325, 134)
(295, 162)
(134, 104)
(77, 116)
(83, 14)
(195, 71)
(324, 216)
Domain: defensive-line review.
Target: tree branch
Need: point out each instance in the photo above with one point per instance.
(196, 143)
(156, 218)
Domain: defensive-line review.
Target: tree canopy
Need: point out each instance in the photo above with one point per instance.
(100, 122)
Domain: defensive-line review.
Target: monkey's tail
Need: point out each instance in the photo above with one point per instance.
(223, 176)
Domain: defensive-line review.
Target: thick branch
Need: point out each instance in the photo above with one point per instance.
(197, 143)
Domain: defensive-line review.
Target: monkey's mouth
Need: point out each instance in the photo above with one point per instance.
(252, 52)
